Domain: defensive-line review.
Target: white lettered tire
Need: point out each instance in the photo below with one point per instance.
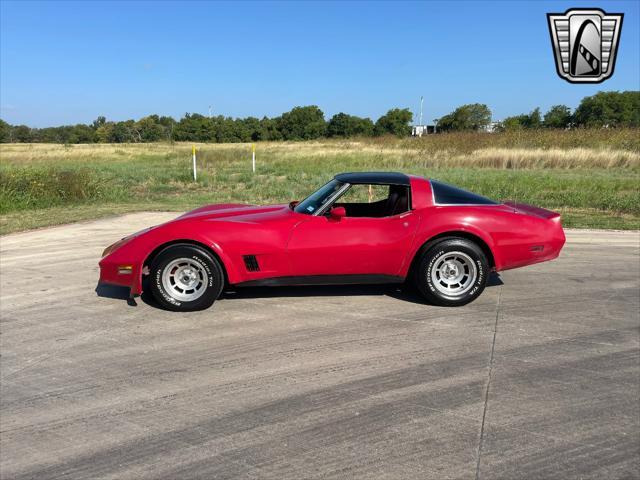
(452, 272)
(185, 277)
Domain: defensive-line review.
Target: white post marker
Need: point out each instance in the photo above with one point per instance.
(253, 157)
(193, 153)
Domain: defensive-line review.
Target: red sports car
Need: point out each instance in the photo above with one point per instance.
(365, 227)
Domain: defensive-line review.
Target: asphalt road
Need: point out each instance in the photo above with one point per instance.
(539, 378)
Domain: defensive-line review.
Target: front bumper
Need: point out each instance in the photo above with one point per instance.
(116, 272)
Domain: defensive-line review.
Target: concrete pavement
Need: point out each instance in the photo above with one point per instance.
(539, 378)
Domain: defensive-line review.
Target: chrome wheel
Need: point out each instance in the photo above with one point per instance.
(185, 279)
(454, 273)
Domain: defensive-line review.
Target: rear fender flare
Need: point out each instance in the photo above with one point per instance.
(465, 231)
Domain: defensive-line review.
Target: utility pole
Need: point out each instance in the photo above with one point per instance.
(421, 100)
(435, 125)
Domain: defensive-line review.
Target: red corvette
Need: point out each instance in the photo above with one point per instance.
(367, 227)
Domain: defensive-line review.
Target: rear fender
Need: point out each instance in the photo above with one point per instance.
(465, 231)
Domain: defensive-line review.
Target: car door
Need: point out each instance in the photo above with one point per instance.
(321, 245)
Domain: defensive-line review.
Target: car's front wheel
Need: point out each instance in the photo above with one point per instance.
(185, 277)
(452, 272)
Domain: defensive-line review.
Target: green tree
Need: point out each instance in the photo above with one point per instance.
(269, 129)
(168, 124)
(516, 122)
(104, 133)
(558, 116)
(81, 133)
(395, 122)
(22, 134)
(302, 123)
(5, 132)
(530, 120)
(228, 130)
(250, 129)
(194, 127)
(150, 129)
(610, 109)
(343, 125)
(534, 119)
(473, 116)
(122, 132)
(446, 122)
(99, 122)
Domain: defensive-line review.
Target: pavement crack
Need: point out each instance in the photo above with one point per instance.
(486, 390)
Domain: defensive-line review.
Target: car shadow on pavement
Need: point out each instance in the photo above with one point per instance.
(403, 292)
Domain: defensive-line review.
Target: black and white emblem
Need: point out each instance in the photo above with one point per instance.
(585, 42)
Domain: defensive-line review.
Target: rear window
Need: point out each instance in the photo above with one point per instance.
(444, 194)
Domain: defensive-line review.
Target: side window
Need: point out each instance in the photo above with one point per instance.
(375, 201)
(365, 194)
(445, 194)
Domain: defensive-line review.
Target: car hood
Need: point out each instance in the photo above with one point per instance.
(236, 212)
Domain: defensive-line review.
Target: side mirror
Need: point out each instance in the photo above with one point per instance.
(293, 204)
(337, 213)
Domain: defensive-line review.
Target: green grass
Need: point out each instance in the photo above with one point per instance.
(44, 185)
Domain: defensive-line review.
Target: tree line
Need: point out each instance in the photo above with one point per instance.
(300, 123)
(604, 109)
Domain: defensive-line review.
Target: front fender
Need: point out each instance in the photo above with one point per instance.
(136, 252)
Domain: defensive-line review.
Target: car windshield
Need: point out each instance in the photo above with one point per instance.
(317, 199)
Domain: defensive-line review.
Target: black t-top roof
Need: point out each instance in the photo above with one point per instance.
(374, 178)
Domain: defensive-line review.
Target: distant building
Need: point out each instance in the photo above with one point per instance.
(492, 127)
(420, 130)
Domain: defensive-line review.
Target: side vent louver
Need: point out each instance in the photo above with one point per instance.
(251, 262)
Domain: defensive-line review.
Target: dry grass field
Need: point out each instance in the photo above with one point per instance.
(591, 177)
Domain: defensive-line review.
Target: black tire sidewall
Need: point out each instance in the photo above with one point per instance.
(429, 260)
(197, 254)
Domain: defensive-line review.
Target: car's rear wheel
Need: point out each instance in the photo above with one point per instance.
(452, 272)
(185, 277)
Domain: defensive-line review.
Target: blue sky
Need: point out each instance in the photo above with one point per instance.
(68, 62)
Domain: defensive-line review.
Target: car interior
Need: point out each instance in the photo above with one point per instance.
(396, 202)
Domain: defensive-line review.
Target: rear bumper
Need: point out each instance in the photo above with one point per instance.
(540, 240)
(549, 248)
(550, 251)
